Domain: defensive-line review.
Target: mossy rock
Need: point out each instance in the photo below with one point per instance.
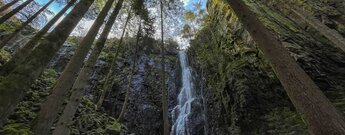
(4, 56)
(15, 129)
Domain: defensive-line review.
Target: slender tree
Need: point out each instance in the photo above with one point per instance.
(317, 111)
(332, 35)
(8, 5)
(129, 85)
(22, 53)
(50, 108)
(103, 37)
(14, 11)
(26, 23)
(164, 88)
(13, 86)
(79, 87)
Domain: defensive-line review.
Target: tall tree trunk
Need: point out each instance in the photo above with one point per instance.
(14, 11)
(164, 88)
(318, 112)
(78, 90)
(8, 5)
(26, 23)
(13, 86)
(129, 85)
(22, 53)
(103, 37)
(332, 35)
(50, 108)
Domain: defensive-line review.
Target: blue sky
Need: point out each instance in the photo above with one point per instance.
(55, 7)
(189, 4)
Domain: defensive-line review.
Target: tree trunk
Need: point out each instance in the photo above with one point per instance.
(332, 35)
(22, 53)
(50, 108)
(8, 5)
(103, 37)
(78, 89)
(318, 112)
(129, 85)
(13, 86)
(164, 88)
(14, 11)
(26, 23)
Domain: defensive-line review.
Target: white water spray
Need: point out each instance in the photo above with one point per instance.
(186, 98)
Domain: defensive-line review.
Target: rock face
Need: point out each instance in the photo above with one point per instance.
(143, 115)
(242, 94)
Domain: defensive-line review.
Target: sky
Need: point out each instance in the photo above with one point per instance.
(54, 7)
(189, 4)
(86, 24)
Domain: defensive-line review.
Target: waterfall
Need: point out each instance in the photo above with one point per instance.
(188, 115)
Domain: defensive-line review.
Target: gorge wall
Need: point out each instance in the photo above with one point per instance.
(242, 93)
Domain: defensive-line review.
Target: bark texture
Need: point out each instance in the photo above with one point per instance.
(317, 111)
(13, 86)
(8, 5)
(332, 35)
(14, 11)
(50, 108)
(103, 37)
(129, 85)
(163, 83)
(77, 90)
(26, 23)
(22, 53)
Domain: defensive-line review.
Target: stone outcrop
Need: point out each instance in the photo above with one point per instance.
(242, 94)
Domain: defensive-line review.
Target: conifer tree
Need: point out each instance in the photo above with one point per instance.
(317, 111)
(164, 87)
(22, 53)
(79, 87)
(8, 5)
(14, 85)
(50, 108)
(26, 23)
(14, 11)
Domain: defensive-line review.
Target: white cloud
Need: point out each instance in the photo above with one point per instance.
(185, 2)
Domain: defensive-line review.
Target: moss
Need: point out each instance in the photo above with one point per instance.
(87, 102)
(240, 82)
(9, 27)
(285, 121)
(27, 110)
(114, 126)
(15, 129)
(4, 56)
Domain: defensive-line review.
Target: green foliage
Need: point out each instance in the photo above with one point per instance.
(190, 16)
(4, 56)
(90, 121)
(49, 75)
(186, 31)
(9, 27)
(171, 46)
(114, 125)
(15, 129)
(285, 121)
(26, 111)
(244, 85)
(73, 40)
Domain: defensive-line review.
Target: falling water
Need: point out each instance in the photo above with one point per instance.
(188, 116)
